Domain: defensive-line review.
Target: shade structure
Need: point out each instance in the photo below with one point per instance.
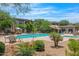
(17, 28)
(55, 27)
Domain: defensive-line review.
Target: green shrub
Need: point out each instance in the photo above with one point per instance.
(39, 45)
(24, 49)
(2, 48)
(73, 47)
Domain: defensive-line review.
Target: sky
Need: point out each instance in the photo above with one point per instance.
(51, 12)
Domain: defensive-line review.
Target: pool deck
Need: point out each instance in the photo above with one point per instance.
(47, 38)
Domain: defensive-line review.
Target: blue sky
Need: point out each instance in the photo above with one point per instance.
(52, 12)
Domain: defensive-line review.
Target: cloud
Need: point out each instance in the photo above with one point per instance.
(40, 11)
(52, 13)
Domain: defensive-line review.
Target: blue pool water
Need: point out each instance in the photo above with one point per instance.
(68, 36)
(30, 36)
(71, 36)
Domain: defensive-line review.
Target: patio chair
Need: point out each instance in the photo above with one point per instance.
(12, 39)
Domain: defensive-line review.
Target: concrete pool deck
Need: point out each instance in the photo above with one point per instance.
(47, 38)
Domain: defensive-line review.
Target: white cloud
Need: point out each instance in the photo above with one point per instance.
(52, 14)
(71, 16)
(40, 11)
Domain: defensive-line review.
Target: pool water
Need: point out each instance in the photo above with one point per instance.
(71, 36)
(30, 36)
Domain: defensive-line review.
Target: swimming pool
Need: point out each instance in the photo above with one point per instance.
(31, 36)
(71, 36)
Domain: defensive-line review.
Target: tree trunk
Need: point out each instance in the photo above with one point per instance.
(56, 44)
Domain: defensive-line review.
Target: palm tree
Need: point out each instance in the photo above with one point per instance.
(34, 29)
(56, 38)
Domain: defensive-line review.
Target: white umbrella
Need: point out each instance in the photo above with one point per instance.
(18, 28)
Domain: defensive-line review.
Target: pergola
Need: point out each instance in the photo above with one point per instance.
(55, 27)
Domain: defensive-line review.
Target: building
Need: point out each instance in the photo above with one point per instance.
(21, 21)
(67, 29)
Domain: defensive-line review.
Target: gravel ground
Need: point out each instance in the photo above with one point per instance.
(50, 50)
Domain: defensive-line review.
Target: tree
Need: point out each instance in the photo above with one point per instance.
(77, 25)
(29, 26)
(34, 28)
(56, 38)
(5, 20)
(22, 26)
(43, 25)
(64, 22)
